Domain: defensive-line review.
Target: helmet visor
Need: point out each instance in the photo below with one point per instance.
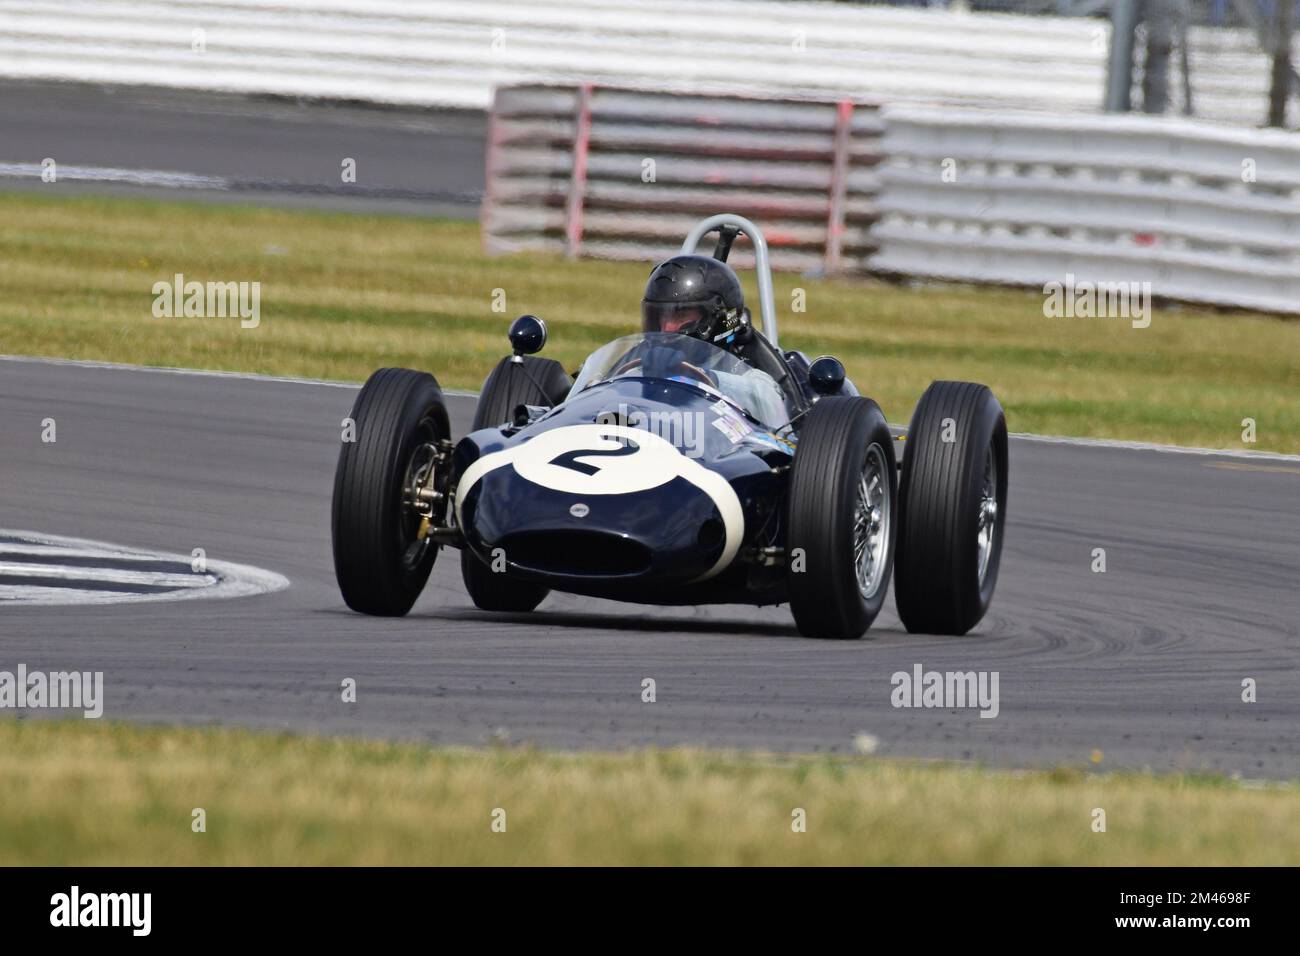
(681, 317)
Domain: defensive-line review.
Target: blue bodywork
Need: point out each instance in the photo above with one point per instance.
(653, 545)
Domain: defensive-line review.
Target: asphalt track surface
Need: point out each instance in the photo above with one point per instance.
(1143, 663)
(225, 148)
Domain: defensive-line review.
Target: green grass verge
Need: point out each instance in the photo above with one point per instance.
(89, 793)
(343, 294)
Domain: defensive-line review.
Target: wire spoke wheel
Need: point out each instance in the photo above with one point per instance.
(871, 519)
(987, 518)
(419, 475)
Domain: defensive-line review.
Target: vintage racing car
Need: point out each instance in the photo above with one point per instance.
(674, 471)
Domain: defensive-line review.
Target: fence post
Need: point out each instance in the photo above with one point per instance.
(492, 163)
(573, 208)
(1119, 69)
(1280, 89)
(839, 186)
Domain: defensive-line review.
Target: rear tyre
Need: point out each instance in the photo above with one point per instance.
(534, 381)
(840, 518)
(952, 509)
(380, 563)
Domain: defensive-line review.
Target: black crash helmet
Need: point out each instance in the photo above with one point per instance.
(694, 295)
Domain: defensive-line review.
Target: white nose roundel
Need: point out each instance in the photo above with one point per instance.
(599, 460)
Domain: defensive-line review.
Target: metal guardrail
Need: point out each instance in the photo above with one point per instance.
(447, 52)
(1203, 213)
(1036, 196)
(624, 174)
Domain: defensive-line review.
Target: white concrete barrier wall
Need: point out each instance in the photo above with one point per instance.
(1203, 213)
(455, 53)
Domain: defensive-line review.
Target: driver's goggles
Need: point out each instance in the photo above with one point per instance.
(670, 316)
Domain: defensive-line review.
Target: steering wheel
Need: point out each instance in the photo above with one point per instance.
(691, 371)
(696, 372)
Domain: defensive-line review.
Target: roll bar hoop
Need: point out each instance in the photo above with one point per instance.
(727, 222)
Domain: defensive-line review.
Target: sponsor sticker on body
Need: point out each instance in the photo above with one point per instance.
(730, 422)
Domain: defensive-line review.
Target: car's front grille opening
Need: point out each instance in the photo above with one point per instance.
(592, 553)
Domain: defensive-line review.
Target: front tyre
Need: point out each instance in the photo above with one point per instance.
(495, 591)
(952, 509)
(400, 422)
(524, 380)
(840, 518)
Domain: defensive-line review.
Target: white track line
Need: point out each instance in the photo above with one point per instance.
(220, 579)
(167, 370)
(1152, 446)
(203, 373)
(1115, 443)
(27, 595)
(106, 575)
(108, 174)
(28, 549)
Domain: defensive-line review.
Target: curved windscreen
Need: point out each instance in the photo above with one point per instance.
(681, 358)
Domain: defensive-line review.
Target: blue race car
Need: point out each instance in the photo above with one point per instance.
(693, 462)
